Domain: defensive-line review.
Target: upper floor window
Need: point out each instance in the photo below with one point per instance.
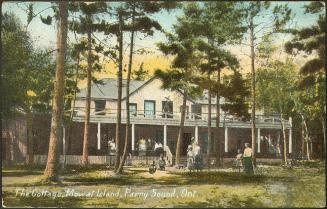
(100, 106)
(149, 108)
(133, 109)
(196, 111)
(167, 109)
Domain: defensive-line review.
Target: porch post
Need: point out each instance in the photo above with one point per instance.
(165, 135)
(99, 136)
(290, 137)
(258, 140)
(196, 134)
(290, 141)
(226, 139)
(133, 136)
(64, 144)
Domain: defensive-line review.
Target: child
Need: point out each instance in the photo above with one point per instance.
(239, 160)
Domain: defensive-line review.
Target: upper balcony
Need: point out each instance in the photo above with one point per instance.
(173, 119)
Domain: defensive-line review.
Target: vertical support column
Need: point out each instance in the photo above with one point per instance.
(99, 136)
(64, 144)
(196, 134)
(226, 139)
(133, 137)
(290, 141)
(259, 140)
(165, 135)
(290, 136)
(63, 141)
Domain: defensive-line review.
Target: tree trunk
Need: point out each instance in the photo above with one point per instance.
(29, 121)
(303, 138)
(308, 150)
(306, 137)
(284, 139)
(73, 108)
(120, 77)
(209, 124)
(218, 154)
(51, 170)
(324, 135)
(88, 102)
(181, 129)
(253, 92)
(122, 162)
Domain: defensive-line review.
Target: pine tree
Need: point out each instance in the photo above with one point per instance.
(51, 170)
(311, 40)
(87, 25)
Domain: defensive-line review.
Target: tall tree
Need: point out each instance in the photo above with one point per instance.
(51, 170)
(261, 20)
(311, 40)
(87, 25)
(181, 45)
(275, 83)
(215, 24)
(141, 21)
(33, 93)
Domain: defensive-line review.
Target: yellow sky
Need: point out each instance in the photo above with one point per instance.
(151, 63)
(154, 61)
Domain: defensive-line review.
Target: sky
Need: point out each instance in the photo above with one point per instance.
(45, 36)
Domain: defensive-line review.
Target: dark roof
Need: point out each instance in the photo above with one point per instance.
(109, 89)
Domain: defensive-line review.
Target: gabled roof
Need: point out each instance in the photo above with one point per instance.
(109, 89)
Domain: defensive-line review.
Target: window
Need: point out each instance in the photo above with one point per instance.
(149, 108)
(167, 109)
(133, 109)
(196, 110)
(100, 106)
(187, 112)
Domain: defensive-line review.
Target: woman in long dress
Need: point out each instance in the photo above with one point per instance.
(247, 159)
(190, 158)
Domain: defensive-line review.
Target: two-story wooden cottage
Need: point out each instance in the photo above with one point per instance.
(155, 116)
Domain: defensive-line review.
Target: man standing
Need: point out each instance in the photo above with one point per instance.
(247, 159)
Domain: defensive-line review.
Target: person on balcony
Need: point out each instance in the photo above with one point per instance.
(247, 159)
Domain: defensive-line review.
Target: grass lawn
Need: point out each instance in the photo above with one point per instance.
(272, 186)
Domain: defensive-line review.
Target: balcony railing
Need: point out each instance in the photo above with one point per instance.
(160, 115)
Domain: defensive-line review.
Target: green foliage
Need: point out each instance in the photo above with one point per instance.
(46, 20)
(235, 91)
(275, 84)
(33, 71)
(310, 39)
(141, 73)
(310, 98)
(178, 80)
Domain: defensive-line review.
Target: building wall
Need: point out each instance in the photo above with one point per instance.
(14, 141)
(153, 91)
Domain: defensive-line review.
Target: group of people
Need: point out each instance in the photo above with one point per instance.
(245, 160)
(194, 158)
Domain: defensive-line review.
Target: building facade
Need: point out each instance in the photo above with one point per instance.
(155, 117)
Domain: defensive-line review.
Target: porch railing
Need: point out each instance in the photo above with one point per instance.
(146, 114)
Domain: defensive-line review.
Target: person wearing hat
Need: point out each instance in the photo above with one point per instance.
(247, 159)
(190, 157)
